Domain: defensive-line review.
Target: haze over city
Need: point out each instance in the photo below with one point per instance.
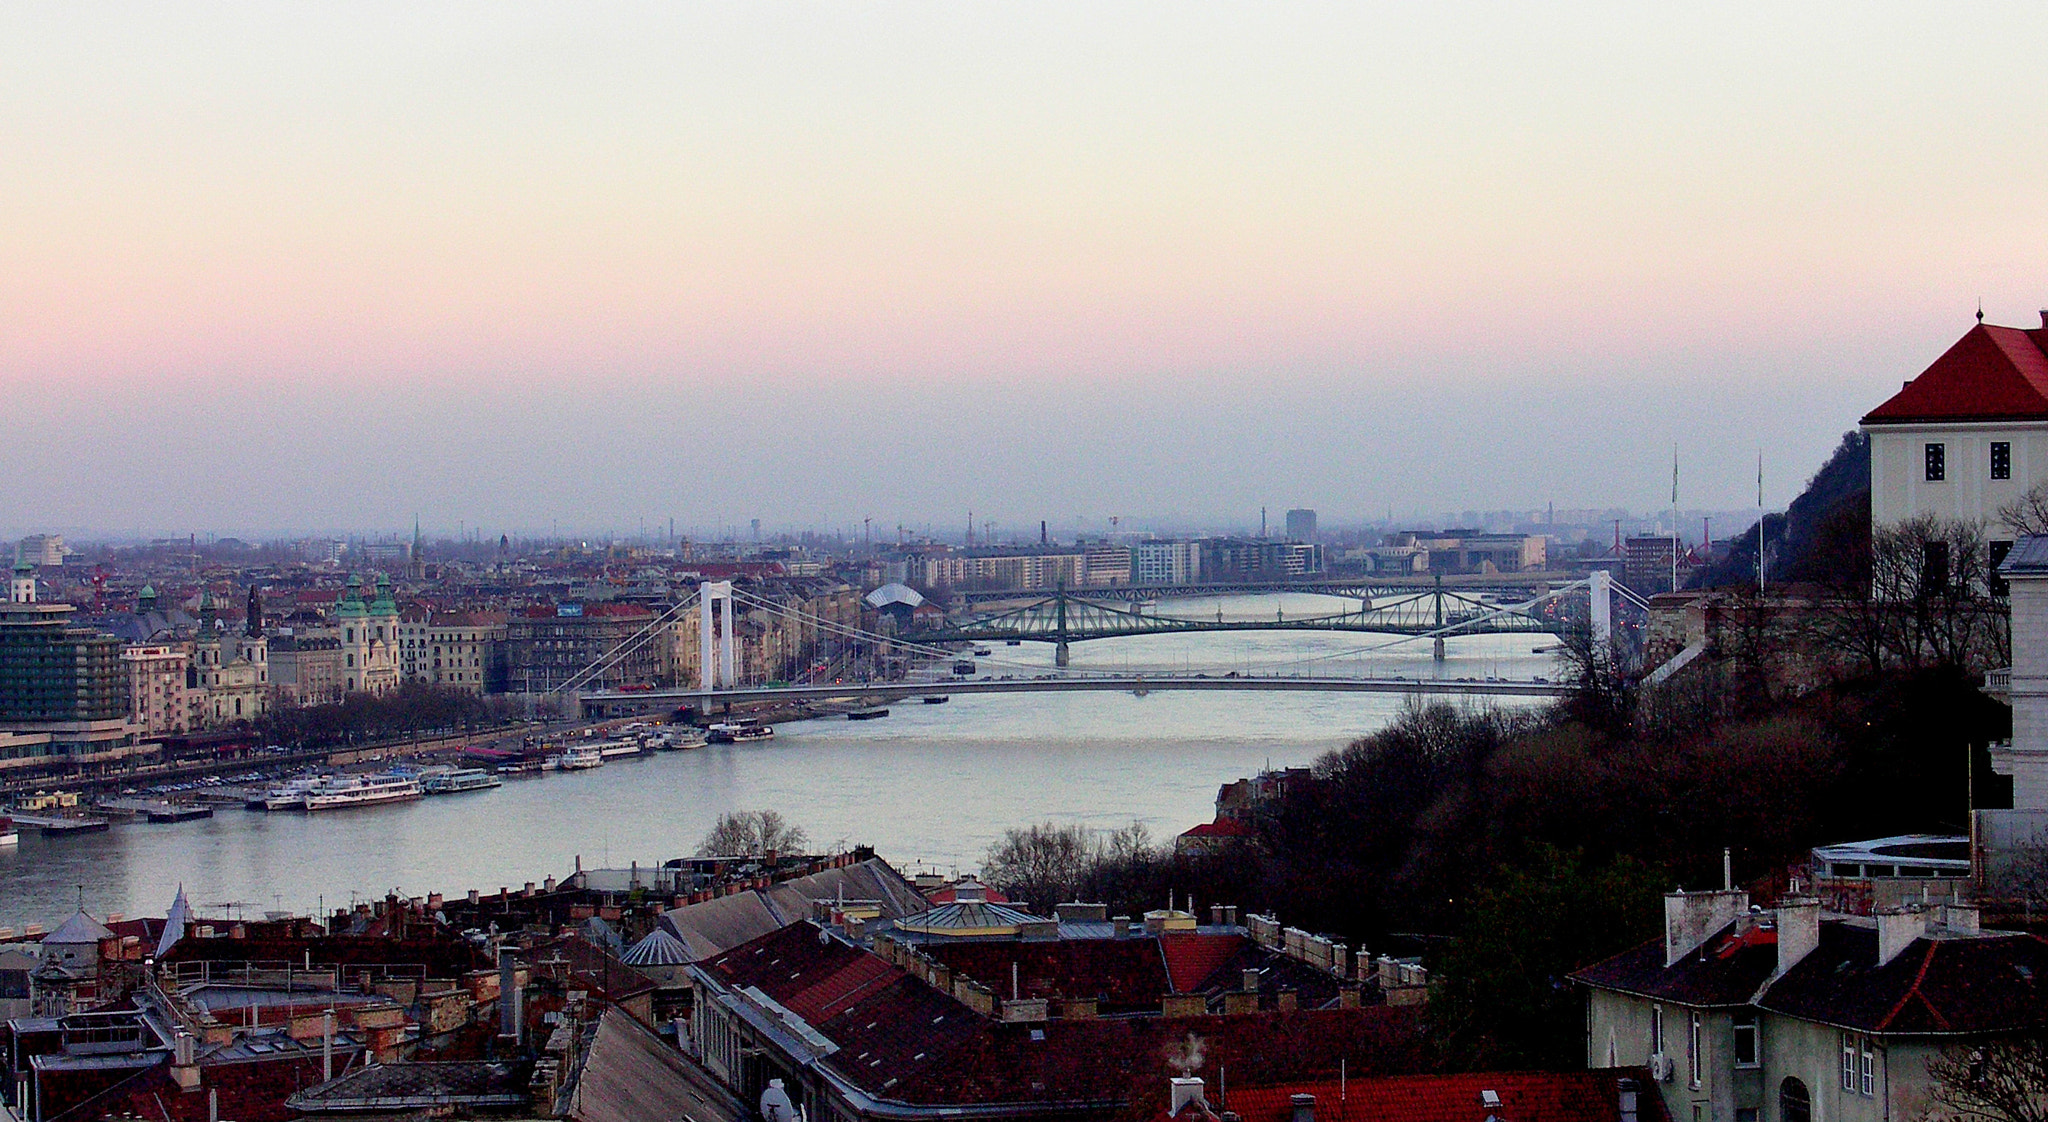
(528, 266)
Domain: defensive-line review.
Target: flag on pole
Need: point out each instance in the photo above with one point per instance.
(1674, 476)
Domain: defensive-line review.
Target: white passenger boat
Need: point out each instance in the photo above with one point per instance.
(613, 749)
(730, 733)
(681, 739)
(289, 795)
(362, 790)
(582, 757)
(457, 780)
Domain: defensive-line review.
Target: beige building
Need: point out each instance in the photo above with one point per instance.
(465, 650)
(305, 667)
(412, 643)
(159, 699)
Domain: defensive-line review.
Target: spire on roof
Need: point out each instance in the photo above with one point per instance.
(174, 923)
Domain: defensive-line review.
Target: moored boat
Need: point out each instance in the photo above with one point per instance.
(362, 790)
(582, 757)
(457, 780)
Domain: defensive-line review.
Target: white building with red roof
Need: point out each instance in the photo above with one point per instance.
(1966, 437)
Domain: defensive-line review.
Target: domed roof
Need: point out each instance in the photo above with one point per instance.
(79, 930)
(659, 948)
(890, 595)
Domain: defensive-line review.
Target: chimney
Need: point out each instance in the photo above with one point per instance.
(1961, 919)
(2044, 319)
(1216, 915)
(1186, 1090)
(473, 894)
(1250, 980)
(1691, 918)
(1896, 931)
(1230, 914)
(1304, 1108)
(1798, 931)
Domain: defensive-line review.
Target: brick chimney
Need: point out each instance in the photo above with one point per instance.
(1896, 930)
(1798, 931)
(1691, 918)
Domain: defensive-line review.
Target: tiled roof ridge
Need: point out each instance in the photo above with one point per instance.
(1913, 991)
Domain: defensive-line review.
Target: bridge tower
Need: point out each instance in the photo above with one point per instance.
(1060, 654)
(715, 647)
(1439, 650)
(1599, 591)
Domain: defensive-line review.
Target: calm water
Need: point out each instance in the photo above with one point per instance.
(928, 785)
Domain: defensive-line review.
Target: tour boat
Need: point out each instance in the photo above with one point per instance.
(740, 733)
(613, 749)
(582, 757)
(290, 795)
(866, 714)
(458, 780)
(678, 740)
(362, 790)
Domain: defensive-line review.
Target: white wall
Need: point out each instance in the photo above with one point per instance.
(1900, 490)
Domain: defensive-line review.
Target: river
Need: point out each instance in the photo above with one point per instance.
(928, 786)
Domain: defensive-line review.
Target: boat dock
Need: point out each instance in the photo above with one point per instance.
(51, 824)
(156, 810)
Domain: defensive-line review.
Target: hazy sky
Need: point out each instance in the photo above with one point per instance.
(278, 266)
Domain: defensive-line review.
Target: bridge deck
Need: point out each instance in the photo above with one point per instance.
(890, 691)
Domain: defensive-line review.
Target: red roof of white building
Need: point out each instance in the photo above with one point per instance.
(1991, 374)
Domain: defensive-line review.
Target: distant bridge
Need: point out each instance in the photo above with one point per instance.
(1064, 618)
(1349, 588)
(620, 703)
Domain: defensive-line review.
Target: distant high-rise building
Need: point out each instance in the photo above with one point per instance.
(42, 550)
(63, 688)
(1301, 525)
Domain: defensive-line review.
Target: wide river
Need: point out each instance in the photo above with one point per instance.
(929, 786)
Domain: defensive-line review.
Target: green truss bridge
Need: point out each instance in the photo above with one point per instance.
(1064, 618)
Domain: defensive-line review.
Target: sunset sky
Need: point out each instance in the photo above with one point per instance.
(284, 267)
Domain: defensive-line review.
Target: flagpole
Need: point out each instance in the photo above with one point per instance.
(1674, 518)
(1759, 525)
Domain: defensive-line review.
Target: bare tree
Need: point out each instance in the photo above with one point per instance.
(1042, 865)
(2003, 1081)
(2027, 514)
(752, 833)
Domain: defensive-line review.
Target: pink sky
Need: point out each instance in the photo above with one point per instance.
(1215, 255)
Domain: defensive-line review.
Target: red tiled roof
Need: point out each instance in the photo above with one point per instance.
(949, 895)
(1221, 828)
(1991, 373)
(1124, 975)
(900, 1039)
(1192, 959)
(1525, 1096)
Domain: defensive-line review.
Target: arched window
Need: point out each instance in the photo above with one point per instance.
(1794, 1104)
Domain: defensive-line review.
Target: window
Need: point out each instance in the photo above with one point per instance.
(1937, 462)
(1848, 1062)
(1999, 550)
(1867, 1077)
(1745, 1042)
(1692, 1048)
(2001, 460)
(1656, 1030)
(1794, 1103)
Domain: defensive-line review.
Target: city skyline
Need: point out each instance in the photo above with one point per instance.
(288, 269)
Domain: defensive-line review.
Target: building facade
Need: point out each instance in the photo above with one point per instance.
(63, 688)
(550, 648)
(1166, 562)
(1966, 438)
(465, 651)
(368, 631)
(159, 699)
(1789, 1016)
